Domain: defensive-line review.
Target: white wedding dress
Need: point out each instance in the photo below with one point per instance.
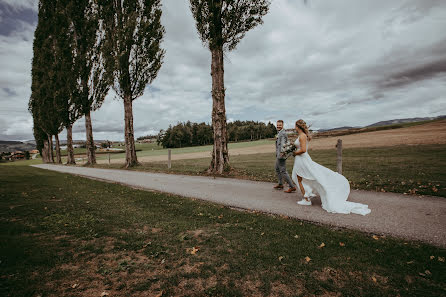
(332, 187)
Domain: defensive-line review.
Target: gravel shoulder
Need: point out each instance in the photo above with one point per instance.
(409, 217)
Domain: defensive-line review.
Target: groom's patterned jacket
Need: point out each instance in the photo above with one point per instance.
(281, 139)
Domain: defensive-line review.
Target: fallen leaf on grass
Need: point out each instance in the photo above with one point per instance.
(432, 257)
(342, 244)
(104, 294)
(195, 249)
(75, 286)
(441, 259)
(428, 272)
(307, 259)
(322, 245)
(280, 258)
(410, 262)
(263, 233)
(374, 279)
(296, 236)
(375, 237)
(160, 294)
(220, 216)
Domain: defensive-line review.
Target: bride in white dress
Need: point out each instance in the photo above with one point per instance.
(313, 179)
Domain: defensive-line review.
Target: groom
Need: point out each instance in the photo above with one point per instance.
(281, 171)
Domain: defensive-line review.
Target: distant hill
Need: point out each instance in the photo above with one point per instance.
(7, 142)
(385, 123)
(403, 121)
(12, 146)
(336, 129)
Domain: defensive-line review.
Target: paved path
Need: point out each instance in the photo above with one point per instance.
(409, 217)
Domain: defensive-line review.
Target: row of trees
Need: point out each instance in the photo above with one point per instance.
(194, 134)
(82, 48)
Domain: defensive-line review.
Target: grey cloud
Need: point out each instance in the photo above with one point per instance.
(333, 63)
(411, 75)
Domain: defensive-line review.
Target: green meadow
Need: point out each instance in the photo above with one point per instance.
(63, 235)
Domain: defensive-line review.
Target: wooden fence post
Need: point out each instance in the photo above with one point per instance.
(339, 159)
(169, 159)
(108, 158)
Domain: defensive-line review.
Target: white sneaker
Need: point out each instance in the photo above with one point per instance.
(304, 202)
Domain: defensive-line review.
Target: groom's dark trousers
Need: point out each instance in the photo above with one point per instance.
(281, 171)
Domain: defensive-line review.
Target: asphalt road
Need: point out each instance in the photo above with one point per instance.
(409, 217)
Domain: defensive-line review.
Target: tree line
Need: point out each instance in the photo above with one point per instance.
(194, 134)
(84, 48)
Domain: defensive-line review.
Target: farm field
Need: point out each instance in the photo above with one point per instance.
(151, 151)
(429, 133)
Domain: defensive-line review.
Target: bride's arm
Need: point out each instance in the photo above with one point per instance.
(303, 146)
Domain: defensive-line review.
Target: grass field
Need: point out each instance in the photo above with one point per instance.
(402, 169)
(158, 150)
(63, 235)
(152, 149)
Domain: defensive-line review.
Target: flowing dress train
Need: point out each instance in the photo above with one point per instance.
(332, 187)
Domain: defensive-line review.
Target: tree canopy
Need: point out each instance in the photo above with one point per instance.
(223, 23)
(194, 134)
(133, 36)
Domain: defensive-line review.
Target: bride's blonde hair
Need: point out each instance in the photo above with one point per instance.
(303, 126)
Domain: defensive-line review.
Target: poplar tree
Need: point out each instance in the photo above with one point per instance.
(41, 142)
(221, 24)
(92, 78)
(42, 100)
(66, 86)
(133, 32)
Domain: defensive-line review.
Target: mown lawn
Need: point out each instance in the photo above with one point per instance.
(401, 169)
(63, 235)
(152, 149)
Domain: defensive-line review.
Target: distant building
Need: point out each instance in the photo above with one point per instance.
(147, 140)
(17, 155)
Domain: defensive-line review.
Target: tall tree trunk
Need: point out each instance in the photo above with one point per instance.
(45, 152)
(220, 156)
(130, 151)
(50, 149)
(58, 157)
(70, 150)
(91, 154)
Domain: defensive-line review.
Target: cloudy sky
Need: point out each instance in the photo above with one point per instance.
(332, 63)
